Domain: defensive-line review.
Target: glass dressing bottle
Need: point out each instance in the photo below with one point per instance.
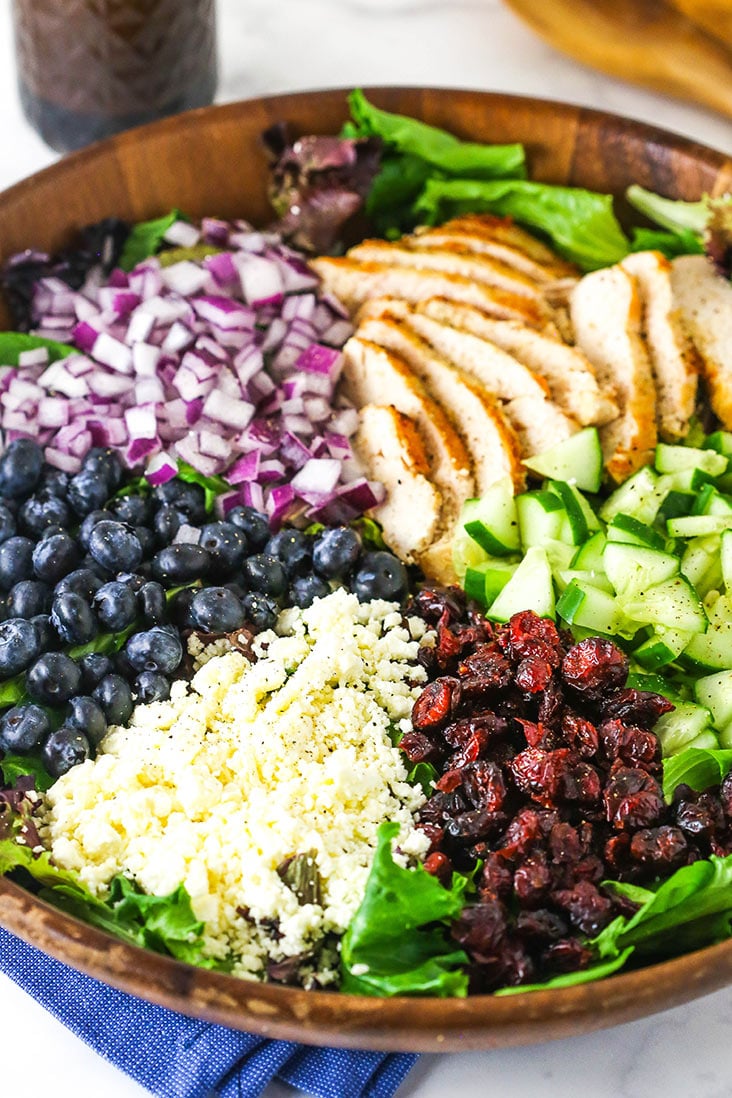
(89, 68)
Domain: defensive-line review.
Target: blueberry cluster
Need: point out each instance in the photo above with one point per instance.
(98, 582)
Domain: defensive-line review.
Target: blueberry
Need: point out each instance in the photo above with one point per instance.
(216, 610)
(94, 666)
(64, 749)
(104, 463)
(261, 611)
(88, 492)
(155, 649)
(103, 574)
(53, 678)
(116, 606)
(115, 698)
(227, 545)
(51, 531)
(305, 589)
(166, 524)
(54, 557)
(28, 598)
(147, 540)
(53, 482)
(82, 581)
(380, 575)
(293, 549)
(336, 551)
(189, 499)
(16, 562)
(7, 523)
(152, 603)
(180, 605)
(22, 728)
(179, 564)
(47, 637)
(265, 575)
(86, 715)
(114, 546)
(39, 512)
(20, 468)
(150, 686)
(134, 510)
(253, 523)
(19, 646)
(88, 525)
(133, 580)
(73, 619)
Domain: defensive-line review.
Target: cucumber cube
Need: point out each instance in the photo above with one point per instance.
(577, 460)
(677, 459)
(530, 588)
(492, 520)
(715, 692)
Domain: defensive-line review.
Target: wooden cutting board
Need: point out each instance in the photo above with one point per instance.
(680, 47)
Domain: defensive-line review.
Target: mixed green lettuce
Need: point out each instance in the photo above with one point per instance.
(146, 238)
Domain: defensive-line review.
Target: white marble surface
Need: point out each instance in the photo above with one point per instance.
(287, 45)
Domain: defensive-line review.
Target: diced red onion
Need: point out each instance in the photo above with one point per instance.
(182, 234)
(161, 468)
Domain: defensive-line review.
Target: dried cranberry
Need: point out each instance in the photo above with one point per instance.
(725, 795)
(496, 879)
(418, 747)
(594, 666)
(551, 704)
(636, 707)
(487, 723)
(585, 905)
(481, 928)
(474, 824)
(440, 807)
(580, 734)
(564, 843)
(484, 786)
(541, 926)
(533, 675)
(633, 746)
(436, 703)
(488, 665)
(532, 880)
(528, 828)
(434, 833)
(450, 781)
(553, 776)
(632, 798)
(566, 955)
(659, 848)
(617, 852)
(440, 866)
(702, 818)
(529, 635)
(431, 603)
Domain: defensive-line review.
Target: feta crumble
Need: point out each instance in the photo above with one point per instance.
(249, 764)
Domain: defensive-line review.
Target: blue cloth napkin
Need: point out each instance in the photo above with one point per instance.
(178, 1057)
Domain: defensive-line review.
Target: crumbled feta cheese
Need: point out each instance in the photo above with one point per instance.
(248, 765)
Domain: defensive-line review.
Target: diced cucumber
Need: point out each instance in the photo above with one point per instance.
(492, 521)
(632, 568)
(584, 605)
(694, 526)
(705, 741)
(485, 581)
(564, 577)
(639, 496)
(686, 480)
(675, 504)
(530, 588)
(725, 560)
(711, 501)
(540, 517)
(559, 554)
(581, 520)
(677, 459)
(655, 684)
(721, 441)
(715, 692)
(683, 724)
(695, 435)
(577, 460)
(673, 604)
(711, 651)
(628, 529)
(699, 556)
(466, 553)
(661, 648)
(725, 737)
(589, 555)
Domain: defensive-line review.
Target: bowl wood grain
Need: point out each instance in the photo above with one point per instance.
(210, 162)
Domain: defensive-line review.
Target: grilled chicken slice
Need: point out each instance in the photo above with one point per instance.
(501, 238)
(449, 257)
(705, 302)
(674, 361)
(355, 282)
(374, 375)
(538, 423)
(606, 314)
(389, 445)
(489, 439)
(567, 372)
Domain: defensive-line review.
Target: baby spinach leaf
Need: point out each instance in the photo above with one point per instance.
(668, 243)
(18, 766)
(146, 238)
(581, 224)
(697, 767)
(12, 344)
(392, 946)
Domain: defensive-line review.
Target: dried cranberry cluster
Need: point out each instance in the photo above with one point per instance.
(550, 775)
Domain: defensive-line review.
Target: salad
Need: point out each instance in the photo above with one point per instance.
(367, 604)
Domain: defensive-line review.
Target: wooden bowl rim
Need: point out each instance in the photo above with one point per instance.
(334, 1018)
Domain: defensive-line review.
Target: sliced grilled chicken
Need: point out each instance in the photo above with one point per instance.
(606, 315)
(538, 423)
(502, 238)
(705, 302)
(355, 282)
(449, 257)
(567, 372)
(674, 362)
(389, 445)
(374, 375)
(489, 439)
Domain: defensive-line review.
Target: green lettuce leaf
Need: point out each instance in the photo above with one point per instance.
(12, 344)
(435, 147)
(671, 214)
(18, 766)
(392, 946)
(212, 486)
(581, 224)
(145, 239)
(697, 767)
(669, 244)
(693, 908)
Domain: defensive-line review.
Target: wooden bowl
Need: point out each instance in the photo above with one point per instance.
(210, 162)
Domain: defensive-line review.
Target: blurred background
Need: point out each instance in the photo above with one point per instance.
(267, 46)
